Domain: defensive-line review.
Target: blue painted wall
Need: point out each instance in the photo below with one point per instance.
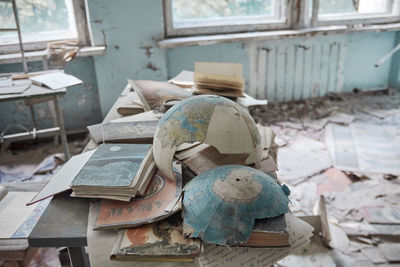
(363, 51)
(131, 29)
(394, 76)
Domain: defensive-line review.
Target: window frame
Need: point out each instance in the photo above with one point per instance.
(229, 25)
(392, 15)
(84, 36)
(297, 17)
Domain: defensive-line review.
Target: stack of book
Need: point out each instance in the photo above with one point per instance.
(115, 171)
(224, 79)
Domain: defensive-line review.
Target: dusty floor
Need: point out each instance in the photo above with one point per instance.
(362, 193)
(35, 160)
(315, 158)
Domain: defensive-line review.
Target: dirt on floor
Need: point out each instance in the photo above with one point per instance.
(345, 147)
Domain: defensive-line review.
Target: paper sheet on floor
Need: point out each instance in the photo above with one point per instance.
(365, 147)
(303, 157)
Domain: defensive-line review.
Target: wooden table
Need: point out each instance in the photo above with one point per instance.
(34, 95)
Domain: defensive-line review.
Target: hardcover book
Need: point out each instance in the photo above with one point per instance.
(135, 132)
(113, 169)
(269, 232)
(159, 241)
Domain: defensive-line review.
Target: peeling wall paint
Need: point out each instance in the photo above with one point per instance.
(133, 26)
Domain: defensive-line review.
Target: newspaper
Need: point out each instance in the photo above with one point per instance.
(299, 235)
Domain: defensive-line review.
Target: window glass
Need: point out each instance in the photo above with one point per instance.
(52, 17)
(336, 7)
(185, 10)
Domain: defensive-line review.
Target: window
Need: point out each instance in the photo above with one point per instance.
(185, 17)
(40, 21)
(329, 12)
(193, 17)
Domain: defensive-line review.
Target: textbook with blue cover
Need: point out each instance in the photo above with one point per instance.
(114, 171)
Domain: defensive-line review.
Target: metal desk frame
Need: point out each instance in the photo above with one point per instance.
(34, 95)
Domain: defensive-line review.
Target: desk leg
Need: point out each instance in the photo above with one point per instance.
(78, 257)
(60, 122)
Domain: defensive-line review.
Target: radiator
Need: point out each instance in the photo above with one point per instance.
(294, 69)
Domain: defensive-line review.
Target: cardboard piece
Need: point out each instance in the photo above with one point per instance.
(17, 220)
(62, 180)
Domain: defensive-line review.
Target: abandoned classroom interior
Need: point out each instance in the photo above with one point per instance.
(200, 133)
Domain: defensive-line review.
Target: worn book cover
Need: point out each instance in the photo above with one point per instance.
(161, 200)
(159, 241)
(136, 132)
(154, 93)
(112, 165)
(269, 232)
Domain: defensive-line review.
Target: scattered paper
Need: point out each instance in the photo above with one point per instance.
(391, 251)
(365, 147)
(374, 255)
(249, 101)
(9, 86)
(302, 158)
(184, 79)
(55, 80)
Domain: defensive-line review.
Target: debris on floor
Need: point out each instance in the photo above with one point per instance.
(36, 161)
(345, 147)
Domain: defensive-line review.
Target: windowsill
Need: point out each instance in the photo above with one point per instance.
(270, 35)
(38, 55)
